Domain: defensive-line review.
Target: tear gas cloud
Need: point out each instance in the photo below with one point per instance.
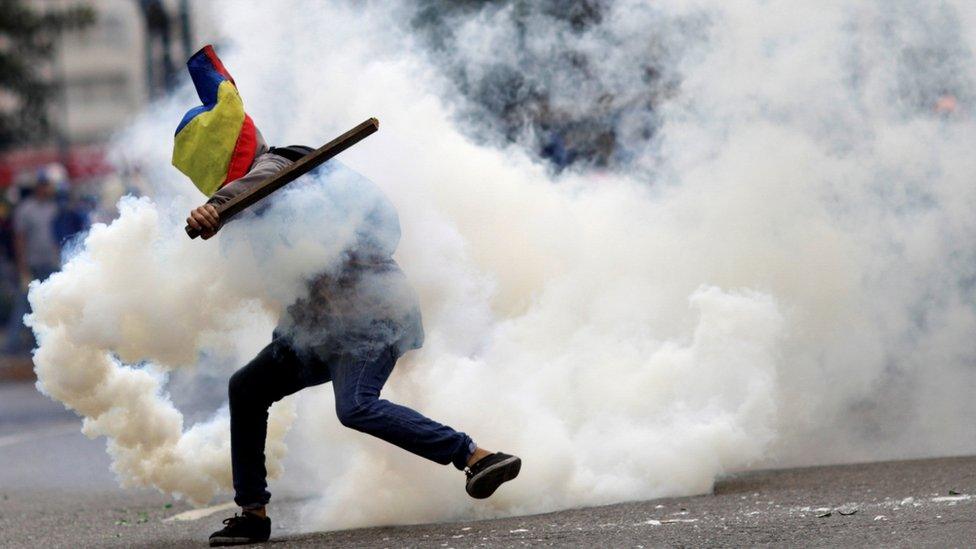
(778, 269)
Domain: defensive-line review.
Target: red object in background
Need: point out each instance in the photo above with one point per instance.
(81, 162)
(947, 104)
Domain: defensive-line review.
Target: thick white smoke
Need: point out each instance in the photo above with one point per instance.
(783, 273)
(133, 304)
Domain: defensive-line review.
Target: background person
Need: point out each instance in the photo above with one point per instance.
(37, 253)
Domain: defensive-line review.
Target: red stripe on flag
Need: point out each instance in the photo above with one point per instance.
(218, 65)
(243, 155)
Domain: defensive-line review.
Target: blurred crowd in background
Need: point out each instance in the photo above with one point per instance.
(42, 213)
(74, 72)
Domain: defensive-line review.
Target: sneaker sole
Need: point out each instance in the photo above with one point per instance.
(486, 482)
(223, 542)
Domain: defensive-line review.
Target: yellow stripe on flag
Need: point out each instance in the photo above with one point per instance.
(204, 147)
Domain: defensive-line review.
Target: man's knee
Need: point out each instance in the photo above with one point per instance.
(355, 415)
(240, 389)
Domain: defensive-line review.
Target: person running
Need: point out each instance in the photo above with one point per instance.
(356, 320)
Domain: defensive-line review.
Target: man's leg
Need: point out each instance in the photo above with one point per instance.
(14, 342)
(277, 371)
(357, 383)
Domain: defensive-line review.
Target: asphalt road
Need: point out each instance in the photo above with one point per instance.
(56, 491)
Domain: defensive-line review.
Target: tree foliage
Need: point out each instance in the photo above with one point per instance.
(28, 40)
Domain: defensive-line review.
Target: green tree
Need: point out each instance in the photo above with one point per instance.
(28, 38)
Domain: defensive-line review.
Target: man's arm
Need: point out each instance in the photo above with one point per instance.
(245, 197)
(206, 219)
(264, 167)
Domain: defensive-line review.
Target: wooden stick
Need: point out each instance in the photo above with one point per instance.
(307, 163)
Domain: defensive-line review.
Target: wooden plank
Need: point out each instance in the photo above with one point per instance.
(307, 163)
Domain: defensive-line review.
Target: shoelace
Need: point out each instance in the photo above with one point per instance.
(476, 468)
(233, 520)
(478, 465)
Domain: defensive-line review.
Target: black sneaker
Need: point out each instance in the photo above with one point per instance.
(241, 529)
(489, 472)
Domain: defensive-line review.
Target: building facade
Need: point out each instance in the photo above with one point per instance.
(107, 73)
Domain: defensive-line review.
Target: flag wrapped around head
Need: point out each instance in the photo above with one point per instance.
(216, 142)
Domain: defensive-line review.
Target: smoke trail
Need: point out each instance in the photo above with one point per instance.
(780, 271)
(140, 299)
(134, 303)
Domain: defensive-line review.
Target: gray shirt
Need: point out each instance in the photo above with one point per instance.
(366, 304)
(34, 220)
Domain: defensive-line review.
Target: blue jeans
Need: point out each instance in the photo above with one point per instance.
(280, 370)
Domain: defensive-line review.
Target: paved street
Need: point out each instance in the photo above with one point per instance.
(56, 491)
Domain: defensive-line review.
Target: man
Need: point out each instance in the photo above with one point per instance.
(356, 320)
(37, 252)
(71, 219)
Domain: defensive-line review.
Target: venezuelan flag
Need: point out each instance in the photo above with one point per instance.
(216, 142)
